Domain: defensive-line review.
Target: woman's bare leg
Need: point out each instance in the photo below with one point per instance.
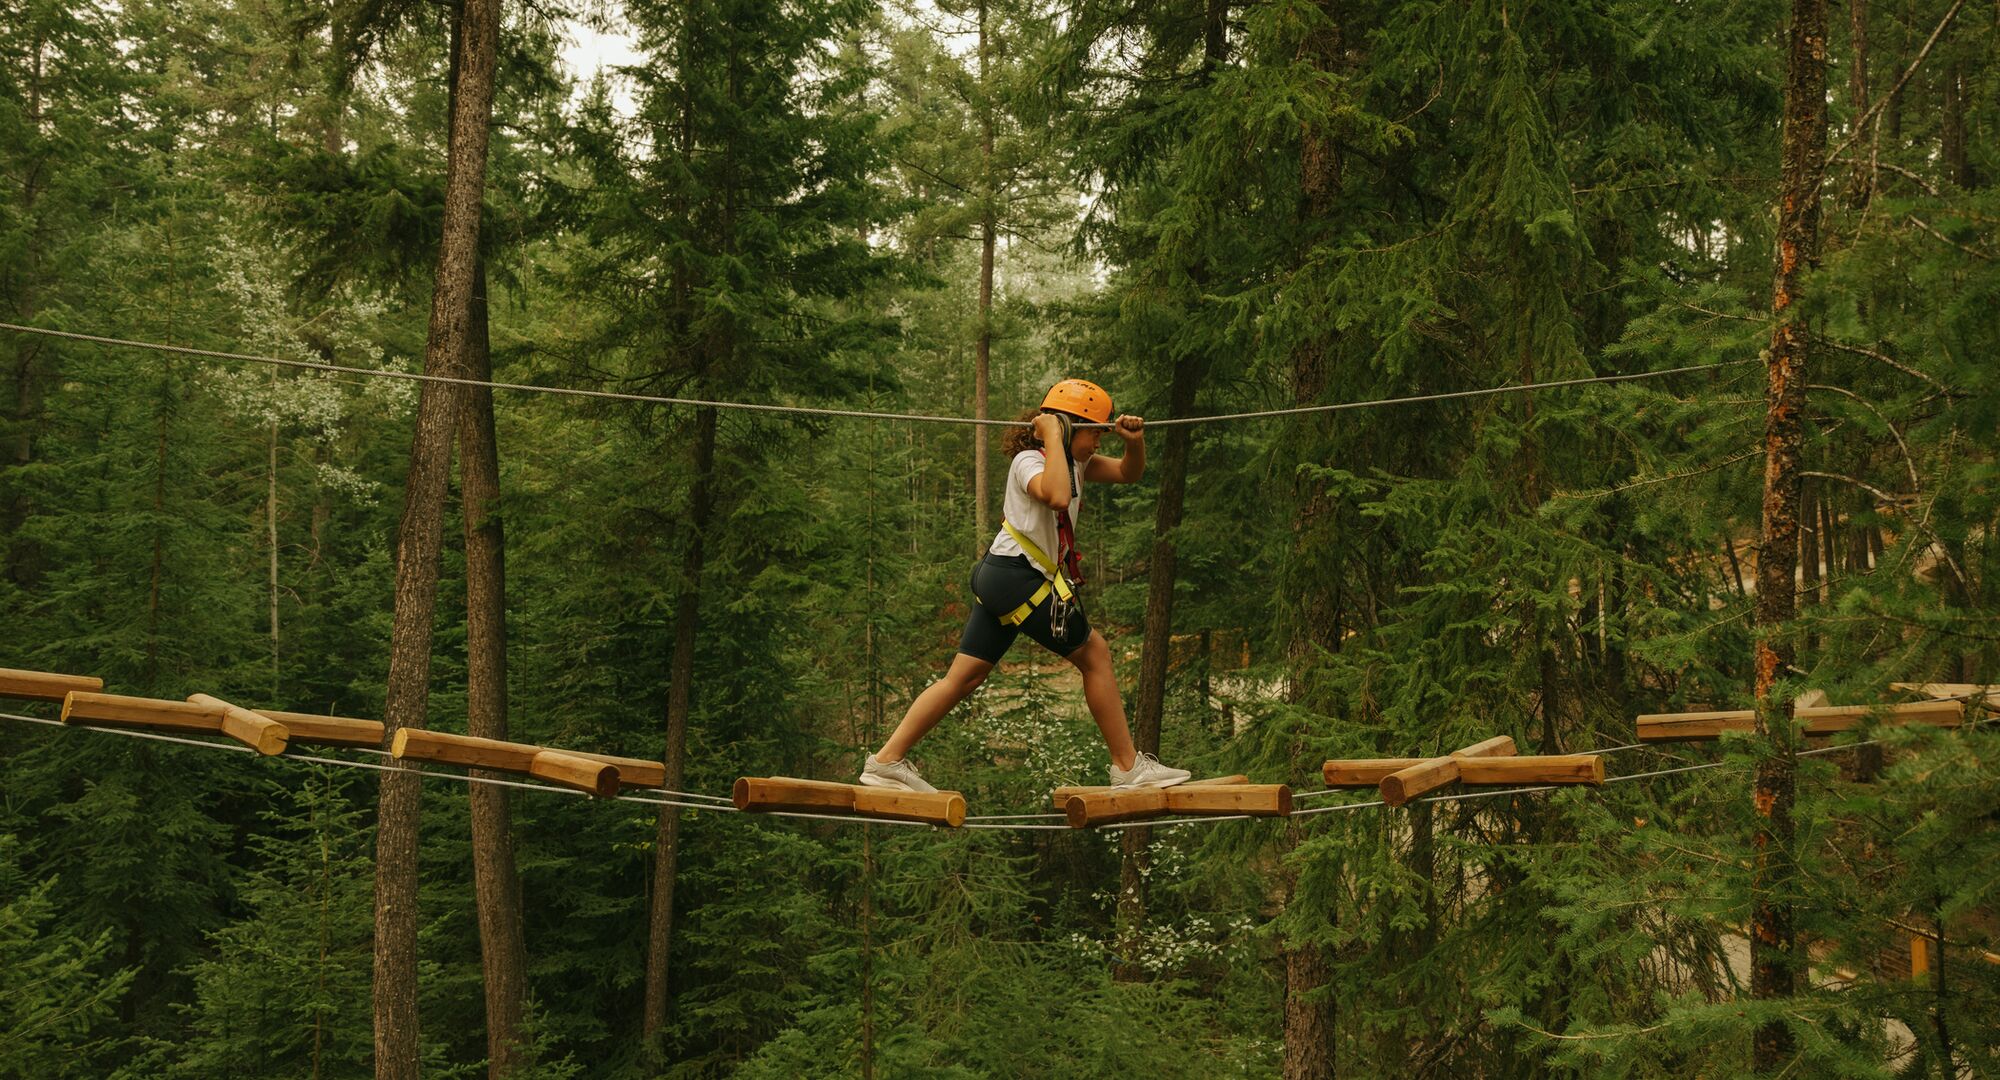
(965, 675)
(1100, 692)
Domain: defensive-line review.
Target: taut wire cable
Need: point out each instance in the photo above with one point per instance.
(808, 410)
(1007, 822)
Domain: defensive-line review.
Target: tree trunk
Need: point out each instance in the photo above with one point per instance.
(1862, 186)
(1156, 648)
(983, 353)
(1773, 961)
(421, 535)
(687, 615)
(496, 885)
(271, 543)
(20, 552)
(1957, 158)
(1309, 1008)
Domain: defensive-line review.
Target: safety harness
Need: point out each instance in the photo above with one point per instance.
(1067, 572)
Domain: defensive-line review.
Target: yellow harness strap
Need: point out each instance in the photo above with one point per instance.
(1058, 584)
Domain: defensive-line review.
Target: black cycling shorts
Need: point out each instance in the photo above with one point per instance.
(1000, 584)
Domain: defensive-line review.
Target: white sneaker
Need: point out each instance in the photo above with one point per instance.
(899, 775)
(1147, 772)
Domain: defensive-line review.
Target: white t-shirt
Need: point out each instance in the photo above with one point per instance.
(1031, 515)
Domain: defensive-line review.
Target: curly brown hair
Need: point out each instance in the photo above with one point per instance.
(1022, 438)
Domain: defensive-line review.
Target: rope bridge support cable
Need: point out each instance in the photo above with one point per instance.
(862, 414)
(1020, 826)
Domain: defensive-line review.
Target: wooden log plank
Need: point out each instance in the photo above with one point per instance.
(1257, 800)
(1539, 769)
(328, 730)
(937, 808)
(1122, 804)
(1363, 772)
(260, 733)
(117, 710)
(45, 685)
(576, 771)
(1062, 794)
(1405, 784)
(1824, 720)
(1971, 691)
(503, 756)
(789, 793)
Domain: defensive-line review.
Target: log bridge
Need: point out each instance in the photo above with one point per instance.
(1218, 796)
(267, 731)
(603, 775)
(770, 794)
(1488, 763)
(1819, 720)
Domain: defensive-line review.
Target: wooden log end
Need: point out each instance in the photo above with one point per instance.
(268, 738)
(400, 745)
(577, 772)
(1121, 804)
(769, 793)
(1400, 787)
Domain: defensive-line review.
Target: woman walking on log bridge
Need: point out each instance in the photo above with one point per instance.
(1017, 587)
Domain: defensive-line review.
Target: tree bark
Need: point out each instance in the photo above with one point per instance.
(983, 351)
(687, 617)
(271, 544)
(1862, 186)
(496, 884)
(1310, 1015)
(22, 563)
(1957, 157)
(1156, 649)
(1773, 960)
(421, 535)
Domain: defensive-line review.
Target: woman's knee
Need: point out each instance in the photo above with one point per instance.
(967, 677)
(1094, 654)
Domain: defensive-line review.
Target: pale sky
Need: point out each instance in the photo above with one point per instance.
(590, 50)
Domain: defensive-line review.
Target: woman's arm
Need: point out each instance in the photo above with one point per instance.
(1052, 485)
(1129, 468)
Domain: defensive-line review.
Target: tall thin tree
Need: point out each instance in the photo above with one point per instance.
(496, 885)
(421, 534)
(1773, 960)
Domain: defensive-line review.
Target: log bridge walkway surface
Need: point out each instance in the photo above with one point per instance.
(1489, 763)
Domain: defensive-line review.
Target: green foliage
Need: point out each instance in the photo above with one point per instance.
(55, 999)
(1295, 202)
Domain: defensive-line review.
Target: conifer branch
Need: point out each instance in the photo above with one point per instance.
(1854, 130)
(1908, 174)
(1879, 357)
(1927, 227)
(1593, 1035)
(1916, 485)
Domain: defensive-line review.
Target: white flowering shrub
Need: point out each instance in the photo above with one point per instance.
(315, 406)
(1167, 947)
(1035, 718)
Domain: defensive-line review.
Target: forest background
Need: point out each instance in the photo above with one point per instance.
(1206, 206)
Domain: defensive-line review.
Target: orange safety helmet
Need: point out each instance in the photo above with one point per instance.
(1080, 398)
